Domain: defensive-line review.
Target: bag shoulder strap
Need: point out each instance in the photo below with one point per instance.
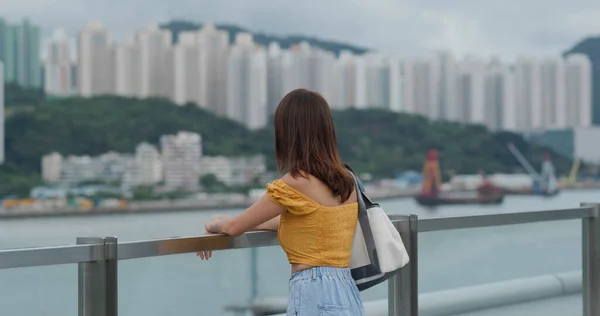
(360, 191)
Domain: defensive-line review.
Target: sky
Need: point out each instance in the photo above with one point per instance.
(505, 28)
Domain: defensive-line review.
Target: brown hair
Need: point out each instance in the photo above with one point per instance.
(305, 141)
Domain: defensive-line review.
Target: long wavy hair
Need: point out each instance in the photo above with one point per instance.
(306, 143)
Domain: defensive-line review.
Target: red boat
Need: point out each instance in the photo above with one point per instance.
(430, 194)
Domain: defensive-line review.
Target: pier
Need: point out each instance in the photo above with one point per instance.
(98, 259)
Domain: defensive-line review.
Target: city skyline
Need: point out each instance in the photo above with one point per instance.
(507, 28)
(244, 81)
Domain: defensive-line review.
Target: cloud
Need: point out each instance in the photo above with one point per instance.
(503, 27)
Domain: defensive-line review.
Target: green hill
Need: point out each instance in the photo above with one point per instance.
(264, 39)
(373, 141)
(16, 95)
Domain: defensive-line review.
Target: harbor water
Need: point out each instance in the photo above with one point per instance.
(183, 285)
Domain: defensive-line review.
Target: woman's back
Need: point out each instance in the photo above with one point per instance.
(316, 190)
(317, 228)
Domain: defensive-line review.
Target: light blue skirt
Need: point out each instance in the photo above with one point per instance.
(324, 291)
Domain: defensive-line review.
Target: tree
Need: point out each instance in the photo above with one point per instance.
(211, 184)
(377, 142)
(16, 95)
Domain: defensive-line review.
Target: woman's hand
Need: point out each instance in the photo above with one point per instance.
(214, 223)
(204, 255)
(212, 227)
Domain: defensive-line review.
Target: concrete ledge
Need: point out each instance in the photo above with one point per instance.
(461, 300)
(491, 295)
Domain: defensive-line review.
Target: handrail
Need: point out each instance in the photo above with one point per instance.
(43, 256)
(180, 245)
(98, 256)
(502, 219)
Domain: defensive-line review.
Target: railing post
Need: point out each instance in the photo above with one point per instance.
(98, 279)
(591, 262)
(403, 289)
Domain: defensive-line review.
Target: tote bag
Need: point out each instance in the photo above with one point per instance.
(377, 249)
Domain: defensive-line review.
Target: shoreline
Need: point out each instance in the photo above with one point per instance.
(198, 207)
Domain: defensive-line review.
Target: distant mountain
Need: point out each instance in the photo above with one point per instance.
(590, 46)
(264, 39)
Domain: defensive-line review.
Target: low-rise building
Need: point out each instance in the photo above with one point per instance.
(234, 171)
(181, 154)
(577, 142)
(72, 170)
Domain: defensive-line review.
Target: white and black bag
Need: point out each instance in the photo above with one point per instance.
(377, 249)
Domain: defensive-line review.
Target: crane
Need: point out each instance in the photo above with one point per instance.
(523, 161)
(574, 171)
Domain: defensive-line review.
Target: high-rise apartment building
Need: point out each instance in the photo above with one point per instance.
(275, 69)
(377, 81)
(552, 90)
(7, 50)
(187, 70)
(96, 75)
(247, 86)
(128, 68)
(396, 79)
(29, 68)
(156, 62)
(499, 85)
(321, 65)
(578, 75)
(310, 68)
(2, 142)
(421, 87)
(343, 82)
(57, 66)
(470, 94)
(359, 65)
(448, 106)
(20, 48)
(527, 82)
(214, 51)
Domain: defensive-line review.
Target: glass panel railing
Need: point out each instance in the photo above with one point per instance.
(557, 306)
(184, 284)
(49, 290)
(273, 272)
(465, 258)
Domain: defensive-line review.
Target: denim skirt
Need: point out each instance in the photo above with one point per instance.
(324, 291)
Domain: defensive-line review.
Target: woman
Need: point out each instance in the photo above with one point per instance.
(313, 207)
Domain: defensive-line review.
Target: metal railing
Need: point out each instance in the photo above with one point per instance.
(98, 257)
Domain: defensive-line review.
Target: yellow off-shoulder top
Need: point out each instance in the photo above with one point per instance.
(311, 233)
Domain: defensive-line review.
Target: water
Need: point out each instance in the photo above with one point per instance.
(183, 285)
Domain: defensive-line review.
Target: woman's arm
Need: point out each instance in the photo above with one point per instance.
(272, 224)
(262, 215)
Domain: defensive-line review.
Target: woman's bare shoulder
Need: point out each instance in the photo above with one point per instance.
(299, 183)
